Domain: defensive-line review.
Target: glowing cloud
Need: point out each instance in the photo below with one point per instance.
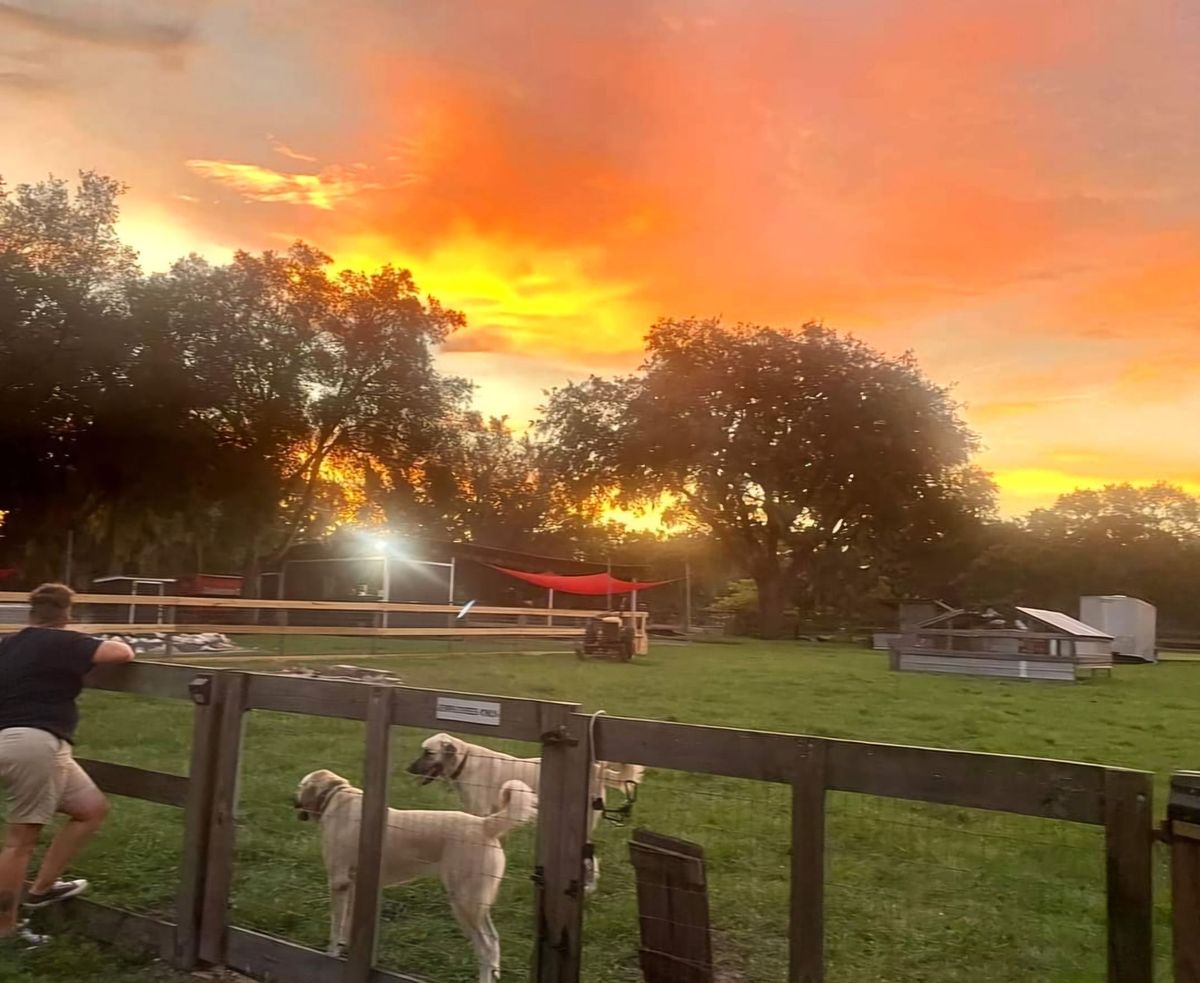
(1020, 207)
(324, 190)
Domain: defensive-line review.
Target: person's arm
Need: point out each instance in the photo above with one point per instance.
(112, 652)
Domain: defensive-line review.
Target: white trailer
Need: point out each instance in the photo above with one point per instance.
(1131, 622)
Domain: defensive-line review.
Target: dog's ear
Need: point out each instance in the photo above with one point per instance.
(309, 793)
(315, 787)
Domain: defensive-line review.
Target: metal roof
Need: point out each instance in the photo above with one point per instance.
(140, 580)
(1065, 623)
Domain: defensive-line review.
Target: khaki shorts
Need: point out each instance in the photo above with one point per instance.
(40, 776)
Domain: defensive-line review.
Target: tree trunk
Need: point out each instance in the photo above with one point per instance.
(300, 512)
(107, 547)
(771, 602)
(251, 569)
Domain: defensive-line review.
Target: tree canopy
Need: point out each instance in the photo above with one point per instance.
(211, 415)
(809, 456)
(1119, 539)
(205, 418)
(199, 407)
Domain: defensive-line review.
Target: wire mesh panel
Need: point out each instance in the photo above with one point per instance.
(912, 891)
(744, 829)
(448, 877)
(279, 884)
(135, 858)
(479, 877)
(938, 893)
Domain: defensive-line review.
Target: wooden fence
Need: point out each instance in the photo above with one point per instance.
(481, 621)
(1119, 800)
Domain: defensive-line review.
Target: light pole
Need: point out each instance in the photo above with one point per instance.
(687, 597)
(387, 587)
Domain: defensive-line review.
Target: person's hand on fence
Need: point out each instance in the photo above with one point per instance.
(111, 652)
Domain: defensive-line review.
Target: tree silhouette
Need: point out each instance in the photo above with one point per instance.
(807, 455)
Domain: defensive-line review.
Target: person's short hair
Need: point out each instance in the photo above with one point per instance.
(50, 605)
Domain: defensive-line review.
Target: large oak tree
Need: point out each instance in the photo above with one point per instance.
(188, 418)
(808, 455)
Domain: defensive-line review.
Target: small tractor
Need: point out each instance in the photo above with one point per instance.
(607, 636)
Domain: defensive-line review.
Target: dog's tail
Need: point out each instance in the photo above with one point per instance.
(518, 805)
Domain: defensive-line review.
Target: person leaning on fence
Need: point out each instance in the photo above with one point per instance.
(41, 673)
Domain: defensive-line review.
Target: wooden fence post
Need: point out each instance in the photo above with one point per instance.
(1183, 834)
(564, 806)
(1129, 845)
(806, 956)
(218, 878)
(364, 904)
(672, 900)
(207, 692)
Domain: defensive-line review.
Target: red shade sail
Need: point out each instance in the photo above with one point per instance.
(592, 584)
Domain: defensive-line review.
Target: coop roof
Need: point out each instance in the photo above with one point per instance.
(1008, 619)
(140, 580)
(1064, 623)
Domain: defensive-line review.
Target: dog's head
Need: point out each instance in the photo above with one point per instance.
(314, 791)
(440, 755)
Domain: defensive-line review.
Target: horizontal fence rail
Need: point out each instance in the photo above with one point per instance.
(142, 628)
(273, 604)
(168, 616)
(1118, 800)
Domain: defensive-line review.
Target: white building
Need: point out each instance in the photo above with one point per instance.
(1131, 622)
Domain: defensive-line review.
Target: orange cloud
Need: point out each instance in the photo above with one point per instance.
(1153, 276)
(284, 150)
(1020, 206)
(323, 190)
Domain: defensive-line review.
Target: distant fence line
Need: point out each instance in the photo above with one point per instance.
(500, 621)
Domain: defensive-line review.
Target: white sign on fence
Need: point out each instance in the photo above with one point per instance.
(468, 711)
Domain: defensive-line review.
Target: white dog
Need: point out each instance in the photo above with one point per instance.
(463, 850)
(479, 773)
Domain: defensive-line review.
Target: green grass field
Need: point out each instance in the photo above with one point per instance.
(916, 893)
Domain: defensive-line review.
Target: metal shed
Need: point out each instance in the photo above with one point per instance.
(1022, 643)
(1131, 622)
(134, 587)
(910, 612)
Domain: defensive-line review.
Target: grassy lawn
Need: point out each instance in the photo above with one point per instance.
(916, 893)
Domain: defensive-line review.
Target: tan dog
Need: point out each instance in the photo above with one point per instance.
(463, 850)
(478, 773)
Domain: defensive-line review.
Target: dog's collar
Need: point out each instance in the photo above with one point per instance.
(461, 765)
(326, 797)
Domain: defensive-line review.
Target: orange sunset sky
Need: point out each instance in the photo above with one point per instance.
(1011, 189)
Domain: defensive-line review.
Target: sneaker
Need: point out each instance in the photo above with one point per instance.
(59, 892)
(23, 938)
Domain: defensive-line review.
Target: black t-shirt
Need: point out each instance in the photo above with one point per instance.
(41, 673)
